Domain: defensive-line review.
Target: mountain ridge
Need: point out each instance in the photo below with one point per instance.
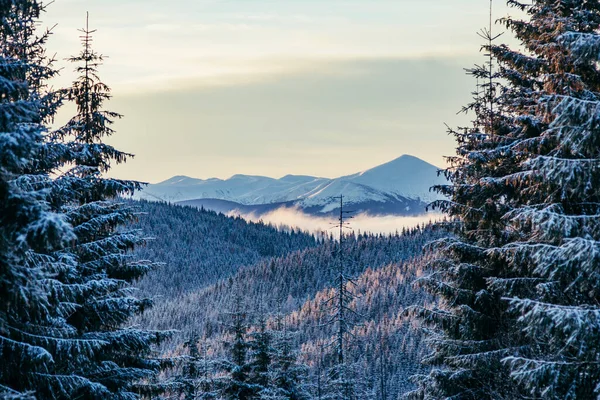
(399, 187)
(285, 177)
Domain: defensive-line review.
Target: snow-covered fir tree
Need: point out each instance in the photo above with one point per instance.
(557, 207)
(191, 369)
(261, 352)
(473, 330)
(347, 381)
(206, 382)
(103, 269)
(31, 313)
(197, 375)
(519, 316)
(382, 362)
(288, 378)
(70, 292)
(237, 384)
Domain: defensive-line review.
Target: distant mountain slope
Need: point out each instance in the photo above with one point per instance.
(406, 176)
(210, 258)
(400, 187)
(199, 248)
(295, 277)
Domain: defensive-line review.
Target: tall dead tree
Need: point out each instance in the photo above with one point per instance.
(341, 384)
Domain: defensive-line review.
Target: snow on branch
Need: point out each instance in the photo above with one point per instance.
(550, 221)
(543, 377)
(584, 46)
(574, 328)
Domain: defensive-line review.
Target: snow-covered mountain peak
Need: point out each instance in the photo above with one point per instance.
(399, 167)
(404, 161)
(178, 180)
(249, 178)
(298, 178)
(406, 178)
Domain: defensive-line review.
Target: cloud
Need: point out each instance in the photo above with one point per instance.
(214, 88)
(333, 119)
(152, 43)
(364, 223)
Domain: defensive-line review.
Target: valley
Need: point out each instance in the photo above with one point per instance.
(212, 261)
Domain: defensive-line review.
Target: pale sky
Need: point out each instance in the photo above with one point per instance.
(211, 88)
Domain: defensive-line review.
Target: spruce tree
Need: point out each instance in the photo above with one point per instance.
(206, 383)
(288, 377)
(100, 275)
(519, 312)
(473, 331)
(191, 371)
(260, 353)
(382, 360)
(557, 207)
(32, 307)
(196, 379)
(237, 385)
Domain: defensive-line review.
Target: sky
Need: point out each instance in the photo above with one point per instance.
(212, 88)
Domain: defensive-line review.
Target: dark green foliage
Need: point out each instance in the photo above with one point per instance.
(289, 378)
(65, 270)
(31, 314)
(238, 385)
(103, 267)
(297, 284)
(199, 248)
(516, 281)
(261, 352)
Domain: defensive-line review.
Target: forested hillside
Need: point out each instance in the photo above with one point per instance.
(213, 262)
(518, 282)
(105, 297)
(200, 247)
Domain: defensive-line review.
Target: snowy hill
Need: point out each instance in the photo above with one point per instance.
(398, 187)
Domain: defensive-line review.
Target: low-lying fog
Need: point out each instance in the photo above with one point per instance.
(292, 217)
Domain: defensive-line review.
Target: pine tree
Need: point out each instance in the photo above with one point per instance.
(473, 331)
(382, 360)
(288, 377)
(319, 373)
(206, 383)
(261, 353)
(346, 382)
(191, 371)
(31, 311)
(517, 278)
(557, 205)
(101, 270)
(237, 385)
(197, 375)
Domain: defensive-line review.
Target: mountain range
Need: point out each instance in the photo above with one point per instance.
(399, 187)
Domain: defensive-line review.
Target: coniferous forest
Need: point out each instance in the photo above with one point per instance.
(107, 297)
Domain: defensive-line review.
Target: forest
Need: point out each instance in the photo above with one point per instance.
(104, 297)
(289, 289)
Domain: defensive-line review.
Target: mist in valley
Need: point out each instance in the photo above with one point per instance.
(288, 217)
